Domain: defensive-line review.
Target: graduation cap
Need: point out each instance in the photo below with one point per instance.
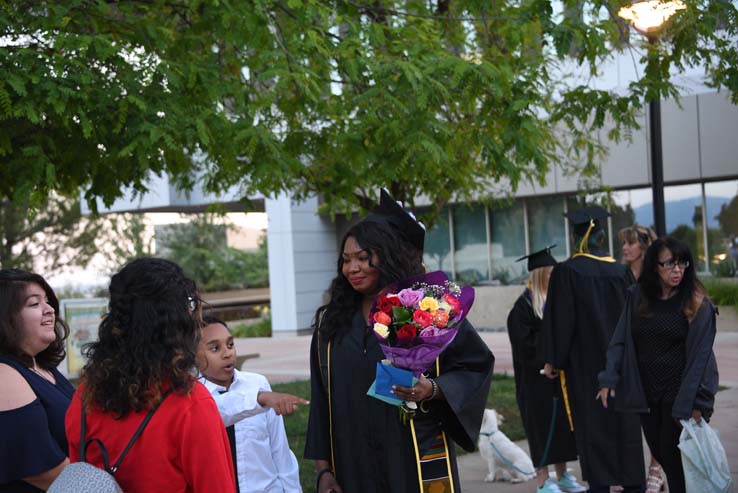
(582, 219)
(389, 211)
(541, 258)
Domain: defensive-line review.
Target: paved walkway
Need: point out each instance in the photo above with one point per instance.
(286, 359)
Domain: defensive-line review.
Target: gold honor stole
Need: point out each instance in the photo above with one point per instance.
(434, 466)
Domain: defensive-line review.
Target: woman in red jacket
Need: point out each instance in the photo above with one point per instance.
(147, 345)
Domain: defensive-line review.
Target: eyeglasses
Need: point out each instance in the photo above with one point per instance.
(192, 303)
(671, 265)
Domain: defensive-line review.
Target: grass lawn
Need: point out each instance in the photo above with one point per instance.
(501, 397)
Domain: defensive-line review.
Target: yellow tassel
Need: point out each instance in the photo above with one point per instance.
(583, 248)
(562, 379)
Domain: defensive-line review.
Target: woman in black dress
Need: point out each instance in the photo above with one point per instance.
(540, 399)
(359, 443)
(660, 362)
(34, 396)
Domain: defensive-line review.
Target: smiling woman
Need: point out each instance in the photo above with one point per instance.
(34, 396)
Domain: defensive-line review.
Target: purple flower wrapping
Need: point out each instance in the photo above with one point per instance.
(417, 354)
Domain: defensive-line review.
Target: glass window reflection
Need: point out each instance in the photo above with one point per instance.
(721, 199)
(471, 259)
(437, 252)
(546, 225)
(507, 227)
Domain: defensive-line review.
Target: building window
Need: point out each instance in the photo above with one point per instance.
(684, 218)
(507, 232)
(471, 255)
(721, 199)
(437, 252)
(546, 225)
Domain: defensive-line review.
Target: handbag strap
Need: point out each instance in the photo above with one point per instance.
(83, 444)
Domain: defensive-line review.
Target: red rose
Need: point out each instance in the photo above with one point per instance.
(382, 318)
(407, 331)
(422, 318)
(385, 303)
(453, 302)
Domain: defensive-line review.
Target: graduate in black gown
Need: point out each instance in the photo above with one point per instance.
(358, 442)
(540, 399)
(585, 297)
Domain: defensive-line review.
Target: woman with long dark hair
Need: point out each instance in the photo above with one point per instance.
(359, 443)
(34, 396)
(146, 352)
(660, 362)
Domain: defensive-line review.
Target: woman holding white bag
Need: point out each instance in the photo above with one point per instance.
(660, 362)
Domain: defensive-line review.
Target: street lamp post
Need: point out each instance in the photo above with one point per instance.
(648, 17)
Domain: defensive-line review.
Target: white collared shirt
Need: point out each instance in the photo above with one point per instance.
(264, 460)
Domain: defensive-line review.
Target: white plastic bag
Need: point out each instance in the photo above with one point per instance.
(705, 464)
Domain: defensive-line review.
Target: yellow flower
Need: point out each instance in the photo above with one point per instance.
(382, 330)
(429, 304)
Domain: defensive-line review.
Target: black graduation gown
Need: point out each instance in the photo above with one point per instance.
(373, 450)
(538, 397)
(585, 298)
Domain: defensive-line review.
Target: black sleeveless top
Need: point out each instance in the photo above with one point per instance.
(32, 437)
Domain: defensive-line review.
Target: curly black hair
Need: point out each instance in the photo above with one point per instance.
(398, 259)
(13, 284)
(147, 339)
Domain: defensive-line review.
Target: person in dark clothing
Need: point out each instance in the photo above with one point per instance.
(34, 395)
(359, 443)
(660, 361)
(539, 399)
(635, 240)
(585, 297)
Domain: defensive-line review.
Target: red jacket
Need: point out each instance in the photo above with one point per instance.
(184, 448)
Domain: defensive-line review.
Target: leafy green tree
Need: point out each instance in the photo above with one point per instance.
(53, 235)
(728, 218)
(199, 247)
(439, 99)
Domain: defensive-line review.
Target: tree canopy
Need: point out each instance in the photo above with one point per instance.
(439, 98)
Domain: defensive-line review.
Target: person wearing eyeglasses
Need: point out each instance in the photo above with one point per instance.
(660, 362)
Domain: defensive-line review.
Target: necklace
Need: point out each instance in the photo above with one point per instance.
(46, 375)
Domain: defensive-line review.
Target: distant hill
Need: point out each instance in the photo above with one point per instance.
(681, 211)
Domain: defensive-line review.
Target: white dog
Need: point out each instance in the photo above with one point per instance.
(506, 461)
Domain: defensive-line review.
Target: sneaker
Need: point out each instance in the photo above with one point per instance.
(569, 484)
(549, 486)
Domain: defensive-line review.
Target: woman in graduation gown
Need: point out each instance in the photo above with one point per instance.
(540, 400)
(359, 443)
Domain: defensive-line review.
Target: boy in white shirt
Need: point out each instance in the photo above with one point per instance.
(262, 458)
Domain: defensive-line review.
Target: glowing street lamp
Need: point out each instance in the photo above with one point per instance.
(648, 17)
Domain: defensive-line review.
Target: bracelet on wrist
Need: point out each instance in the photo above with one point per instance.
(434, 392)
(327, 470)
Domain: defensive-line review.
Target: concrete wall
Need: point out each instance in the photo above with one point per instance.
(492, 304)
(302, 262)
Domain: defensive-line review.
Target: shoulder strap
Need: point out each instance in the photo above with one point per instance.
(103, 451)
(140, 430)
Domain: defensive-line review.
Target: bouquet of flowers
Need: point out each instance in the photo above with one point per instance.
(416, 319)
